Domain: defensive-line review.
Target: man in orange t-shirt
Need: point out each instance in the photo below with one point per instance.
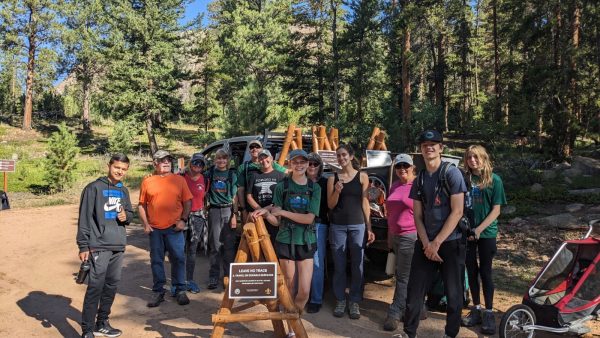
(165, 203)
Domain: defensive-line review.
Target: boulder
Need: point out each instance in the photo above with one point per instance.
(516, 221)
(574, 207)
(509, 209)
(562, 221)
(548, 175)
(595, 209)
(585, 191)
(562, 166)
(572, 172)
(568, 180)
(536, 187)
(587, 165)
(590, 217)
(532, 241)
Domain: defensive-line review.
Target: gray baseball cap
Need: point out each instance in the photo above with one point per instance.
(265, 152)
(297, 152)
(160, 154)
(403, 158)
(198, 159)
(257, 142)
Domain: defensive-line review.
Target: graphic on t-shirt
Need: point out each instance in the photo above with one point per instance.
(298, 202)
(219, 185)
(112, 206)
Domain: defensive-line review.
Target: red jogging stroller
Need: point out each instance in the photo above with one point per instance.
(564, 295)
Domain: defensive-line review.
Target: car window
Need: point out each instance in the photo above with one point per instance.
(209, 154)
(237, 151)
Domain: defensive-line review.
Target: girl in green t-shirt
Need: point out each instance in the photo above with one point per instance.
(296, 203)
(487, 196)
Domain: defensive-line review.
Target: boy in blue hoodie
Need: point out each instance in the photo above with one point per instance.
(104, 211)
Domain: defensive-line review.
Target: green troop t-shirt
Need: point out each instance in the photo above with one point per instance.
(483, 202)
(253, 168)
(298, 201)
(221, 190)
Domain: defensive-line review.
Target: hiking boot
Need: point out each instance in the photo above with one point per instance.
(340, 308)
(157, 298)
(182, 298)
(192, 286)
(313, 307)
(390, 323)
(354, 310)
(89, 334)
(103, 329)
(213, 283)
(489, 323)
(473, 318)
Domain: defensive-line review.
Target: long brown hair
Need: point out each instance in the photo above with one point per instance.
(486, 165)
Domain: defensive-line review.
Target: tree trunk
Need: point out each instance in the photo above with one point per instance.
(86, 88)
(406, 91)
(335, 62)
(205, 108)
(497, 89)
(574, 109)
(30, 70)
(151, 136)
(440, 78)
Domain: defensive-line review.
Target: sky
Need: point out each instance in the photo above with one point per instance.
(195, 7)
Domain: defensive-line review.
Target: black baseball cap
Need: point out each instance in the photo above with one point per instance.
(430, 135)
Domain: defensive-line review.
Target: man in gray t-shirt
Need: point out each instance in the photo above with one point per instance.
(440, 246)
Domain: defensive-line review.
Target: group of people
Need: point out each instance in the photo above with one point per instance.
(304, 213)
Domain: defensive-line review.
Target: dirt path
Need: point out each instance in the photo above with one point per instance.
(38, 295)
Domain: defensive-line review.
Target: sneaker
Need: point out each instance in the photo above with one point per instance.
(192, 286)
(354, 310)
(173, 291)
(213, 283)
(182, 298)
(390, 323)
(473, 318)
(489, 323)
(402, 335)
(313, 307)
(340, 308)
(103, 329)
(157, 298)
(87, 335)
(291, 334)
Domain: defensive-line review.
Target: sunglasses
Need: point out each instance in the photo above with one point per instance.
(314, 164)
(198, 163)
(402, 166)
(255, 146)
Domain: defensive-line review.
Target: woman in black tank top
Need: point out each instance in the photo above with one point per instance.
(347, 199)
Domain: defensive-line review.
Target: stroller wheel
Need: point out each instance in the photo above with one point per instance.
(511, 325)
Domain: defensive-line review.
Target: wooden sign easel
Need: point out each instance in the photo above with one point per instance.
(255, 246)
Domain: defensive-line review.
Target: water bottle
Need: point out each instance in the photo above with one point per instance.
(84, 269)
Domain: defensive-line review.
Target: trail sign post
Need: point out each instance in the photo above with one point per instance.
(7, 166)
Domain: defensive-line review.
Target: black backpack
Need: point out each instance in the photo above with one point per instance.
(4, 199)
(309, 193)
(464, 224)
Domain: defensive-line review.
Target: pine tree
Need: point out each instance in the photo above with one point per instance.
(61, 160)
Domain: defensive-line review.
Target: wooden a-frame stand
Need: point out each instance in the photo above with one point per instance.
(255, 246)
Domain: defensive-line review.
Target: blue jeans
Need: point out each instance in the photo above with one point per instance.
(173, 241)
(344, 238)
(403, 246)
(318, 279)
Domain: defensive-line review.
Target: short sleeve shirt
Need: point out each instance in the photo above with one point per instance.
(437, 207)
(262, 186)
(198, 189)
(483, 202)
(298, 200)
(248, 169)
(164, 197)
(223, 186)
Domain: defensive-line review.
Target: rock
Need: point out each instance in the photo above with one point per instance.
(561, 221)
(587, 165)
(545, 258)
(536, 187)
(532, 241)
(574, 207)
(562, 166)
(595, 209)
(548, 175)
(516, 221)
(585, 191)
(509, 209)
(572, 172)
(590, 217)
(568, 180)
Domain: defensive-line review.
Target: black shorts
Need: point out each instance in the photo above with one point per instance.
(302, 252)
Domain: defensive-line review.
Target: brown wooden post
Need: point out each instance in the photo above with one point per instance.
(380, 141)
(286, 144)
(298, 137)
(332, 143)
(315, 140)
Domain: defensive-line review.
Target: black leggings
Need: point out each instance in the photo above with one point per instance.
(486, 247)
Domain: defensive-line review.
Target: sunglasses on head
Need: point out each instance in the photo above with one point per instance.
(313, 164)
(255, 146)
(402, 166)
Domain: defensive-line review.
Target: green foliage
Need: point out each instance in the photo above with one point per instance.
(121, 139)
(70, 106)
(61, 161)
